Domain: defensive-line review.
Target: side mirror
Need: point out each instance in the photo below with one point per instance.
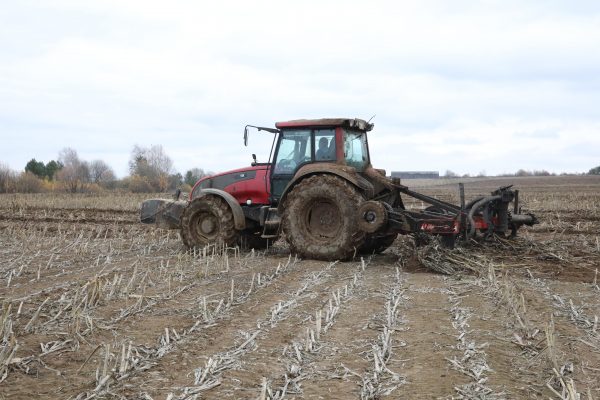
(254, 160)
(246, 135)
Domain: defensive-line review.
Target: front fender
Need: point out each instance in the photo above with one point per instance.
(238, 214)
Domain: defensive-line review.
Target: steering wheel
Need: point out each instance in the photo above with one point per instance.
(287, 164)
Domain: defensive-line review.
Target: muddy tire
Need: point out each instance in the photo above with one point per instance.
(319, 218)
(377, 244)
(208, 220)
(252, 240)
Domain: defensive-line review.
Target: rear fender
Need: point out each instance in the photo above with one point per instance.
(343, 171)
(238, 214)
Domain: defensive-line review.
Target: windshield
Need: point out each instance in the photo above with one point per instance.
(356, 152)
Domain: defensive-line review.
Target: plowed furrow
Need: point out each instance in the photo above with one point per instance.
(268, 360)
(337, 372)
(290, 293)
(429, 340)
(178, 314)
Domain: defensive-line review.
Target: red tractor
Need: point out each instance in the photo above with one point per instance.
(322, 192)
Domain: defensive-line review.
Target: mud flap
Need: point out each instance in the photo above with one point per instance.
(165, 214)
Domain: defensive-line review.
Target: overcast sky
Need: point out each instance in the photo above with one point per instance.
(468, 86)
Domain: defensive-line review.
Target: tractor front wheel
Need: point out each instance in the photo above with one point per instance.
(206, 221)
(319, 218)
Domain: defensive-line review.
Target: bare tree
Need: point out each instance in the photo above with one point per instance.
(150, 160)
(193, 175)
(101, 172)
(523, 172)
(8, 179)
(153, 164)
(75, 173)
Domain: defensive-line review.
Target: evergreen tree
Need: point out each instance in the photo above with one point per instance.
(36, 167)
(52, 167)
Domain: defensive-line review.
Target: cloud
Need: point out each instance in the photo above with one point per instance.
(495, 86)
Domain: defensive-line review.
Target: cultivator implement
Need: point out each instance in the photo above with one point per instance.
(484, 216)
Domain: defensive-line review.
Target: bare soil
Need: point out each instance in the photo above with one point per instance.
(95, 305)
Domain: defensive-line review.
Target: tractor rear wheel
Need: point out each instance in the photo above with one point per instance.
(208, 220)
(319, 218)
(377, 244)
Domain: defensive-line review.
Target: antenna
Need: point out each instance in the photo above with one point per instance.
(371, 118)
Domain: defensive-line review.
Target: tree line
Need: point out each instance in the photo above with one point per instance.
(150, 171)
(519, 173)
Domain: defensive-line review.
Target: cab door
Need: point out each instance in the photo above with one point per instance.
(295, 148)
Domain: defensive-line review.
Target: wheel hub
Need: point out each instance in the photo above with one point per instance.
(372, 216)
(324, 220)
(207, 226)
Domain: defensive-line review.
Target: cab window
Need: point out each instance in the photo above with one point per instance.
(355, 149)
(295, 148)
(325, 145)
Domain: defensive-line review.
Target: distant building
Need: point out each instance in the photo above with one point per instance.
(416, 174)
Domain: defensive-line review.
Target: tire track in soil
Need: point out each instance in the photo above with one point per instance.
(430, 339)
(348, 340)
(486, 345)
(267, 360)
(245, 319)
(217, 336)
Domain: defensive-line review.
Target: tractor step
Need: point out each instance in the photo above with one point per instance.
(271, 224)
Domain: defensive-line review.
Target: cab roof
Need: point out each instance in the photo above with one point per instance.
(354, 123)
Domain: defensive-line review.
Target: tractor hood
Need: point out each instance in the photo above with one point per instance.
(250, 183)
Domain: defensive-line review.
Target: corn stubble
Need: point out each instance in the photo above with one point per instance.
(92, 298)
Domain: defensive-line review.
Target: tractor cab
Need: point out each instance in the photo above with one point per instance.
(301, 143)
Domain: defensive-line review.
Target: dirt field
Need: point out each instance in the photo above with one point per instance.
(95, 305)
